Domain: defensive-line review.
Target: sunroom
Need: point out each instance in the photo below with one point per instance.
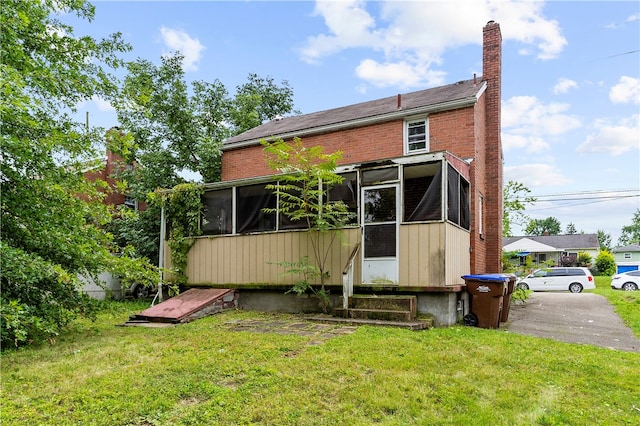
(410, 232)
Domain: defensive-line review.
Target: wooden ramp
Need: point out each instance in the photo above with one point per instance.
(188, 306)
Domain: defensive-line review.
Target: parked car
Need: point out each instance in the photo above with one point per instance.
(558, 279)
(628, 281)
(139, 291)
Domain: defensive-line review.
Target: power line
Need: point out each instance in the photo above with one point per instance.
(582, 195)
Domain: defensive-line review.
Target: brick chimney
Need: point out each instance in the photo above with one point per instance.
(492, 74)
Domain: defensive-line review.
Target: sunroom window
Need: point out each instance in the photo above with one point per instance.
(250, 202)
(216, 212)
(423, 192)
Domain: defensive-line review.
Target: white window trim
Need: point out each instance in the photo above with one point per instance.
(481, 215)
(408, 121)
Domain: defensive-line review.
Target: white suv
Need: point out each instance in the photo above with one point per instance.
(558, 279)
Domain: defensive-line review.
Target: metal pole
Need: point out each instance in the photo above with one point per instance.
(161, 253)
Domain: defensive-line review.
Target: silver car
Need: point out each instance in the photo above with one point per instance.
(559, 279)
(628, 281)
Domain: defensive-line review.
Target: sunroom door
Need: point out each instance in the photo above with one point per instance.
(380, 234)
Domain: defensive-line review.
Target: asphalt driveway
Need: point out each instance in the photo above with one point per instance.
(585, 318)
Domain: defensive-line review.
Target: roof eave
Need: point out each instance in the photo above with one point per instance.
(365, 121)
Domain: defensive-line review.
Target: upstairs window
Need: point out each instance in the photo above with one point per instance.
(416, 136)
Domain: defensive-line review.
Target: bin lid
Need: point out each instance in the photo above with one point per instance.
(487, 277)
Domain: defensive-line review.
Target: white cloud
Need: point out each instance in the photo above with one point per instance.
(190, 48)
(408, 39)
(626, 91)
(102, 104)
(400, 74)
(563, 85)
(535, 175)
(613, 138)
(528, 123)
(634, 18)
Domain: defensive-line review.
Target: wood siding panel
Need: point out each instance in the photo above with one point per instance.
(458, 255)
(433, 254)
(248, 259)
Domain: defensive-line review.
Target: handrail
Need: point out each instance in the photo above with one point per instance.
(347, 278)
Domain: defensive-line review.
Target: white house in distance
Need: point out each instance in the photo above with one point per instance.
(561, 249)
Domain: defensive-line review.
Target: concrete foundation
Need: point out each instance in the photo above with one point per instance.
(445, 308)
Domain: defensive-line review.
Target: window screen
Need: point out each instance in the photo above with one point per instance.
(347, 192)
(457, 198)
(422, 192)
(216, 212)
(250, 202)
(370, 177)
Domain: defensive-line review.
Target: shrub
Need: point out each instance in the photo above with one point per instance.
(605, 264)
(38, 298)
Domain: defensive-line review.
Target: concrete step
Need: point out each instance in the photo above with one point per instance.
(415, 325)
(384, 303)
(375, 314)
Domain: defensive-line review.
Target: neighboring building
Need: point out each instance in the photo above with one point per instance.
(111, 165)
(106, 284)
(433, 158)
(562, 250)
(627, 258)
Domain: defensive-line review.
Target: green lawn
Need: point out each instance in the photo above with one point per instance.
(205, 373)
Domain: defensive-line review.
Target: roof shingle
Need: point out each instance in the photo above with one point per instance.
(460, 91)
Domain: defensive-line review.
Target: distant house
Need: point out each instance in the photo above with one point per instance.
(627, 257)
(422, 172)
(110, 165)
(562, 250)
(108, 285)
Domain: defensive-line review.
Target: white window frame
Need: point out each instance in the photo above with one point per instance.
(481, 216)
(408, 122)
(130, 202)
(627, 256)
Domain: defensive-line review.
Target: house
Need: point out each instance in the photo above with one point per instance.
(106, 284)
(561, 250)
(627, 258)
(433, 157)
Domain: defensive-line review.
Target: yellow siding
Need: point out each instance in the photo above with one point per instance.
(458, 254)
(430, 255)
(248, 259)
(433, 254)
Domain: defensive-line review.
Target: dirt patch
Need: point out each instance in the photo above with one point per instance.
(320, 332)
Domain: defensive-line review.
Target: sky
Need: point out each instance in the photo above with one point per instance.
(570, 89)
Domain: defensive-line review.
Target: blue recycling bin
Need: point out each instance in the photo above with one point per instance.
(487, 295)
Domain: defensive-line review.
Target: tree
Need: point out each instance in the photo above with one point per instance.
(174, 131)
(604, 240)
(571, 229)
(631, 233)
(548, 226)
(307, 174)
(516, 198)
(52, 217)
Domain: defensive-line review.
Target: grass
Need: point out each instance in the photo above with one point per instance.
(205, 373)
(627, 303)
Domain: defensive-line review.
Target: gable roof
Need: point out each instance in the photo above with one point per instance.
(529, 246)
(629, 248)
(559, 242)
(452, 96)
